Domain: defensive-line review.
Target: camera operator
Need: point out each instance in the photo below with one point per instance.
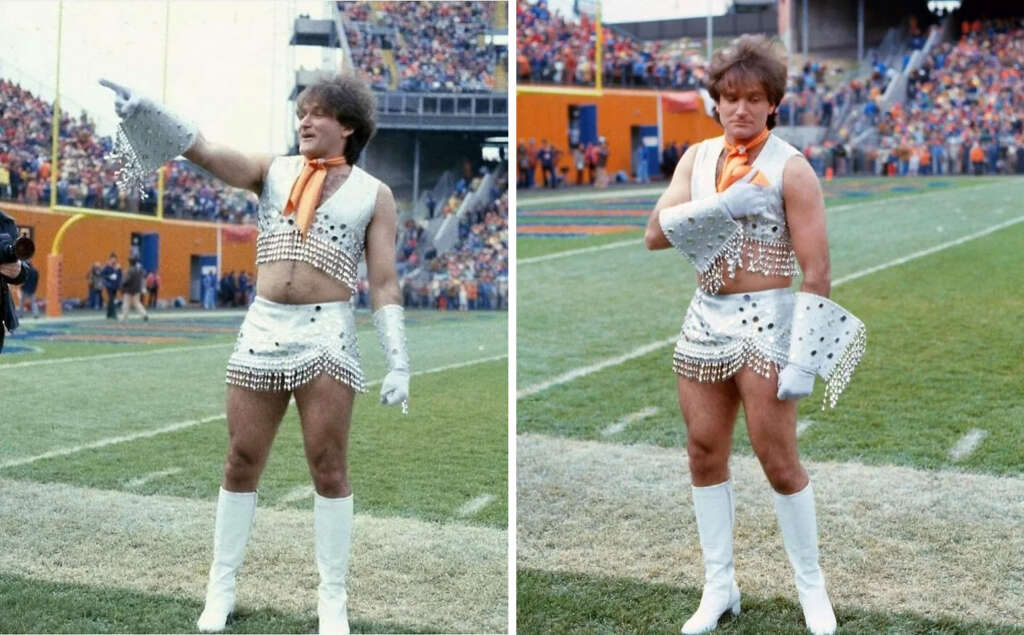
(10, 273)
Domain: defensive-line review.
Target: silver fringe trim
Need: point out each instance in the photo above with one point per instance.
(131, 175)
(771, 258)
(266, 380)
(839, 378)
(726, 363)
(724, 262)
(290, 245)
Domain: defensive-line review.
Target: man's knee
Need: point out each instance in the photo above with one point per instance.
(329, 472)
(706, 455)
(785, 476)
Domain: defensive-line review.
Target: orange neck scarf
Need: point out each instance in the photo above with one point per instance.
(306, 191)
(736, 159)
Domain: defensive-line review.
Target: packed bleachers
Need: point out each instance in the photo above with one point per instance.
(474, 273)
(437, 46)
(86, 177)
(552, 48)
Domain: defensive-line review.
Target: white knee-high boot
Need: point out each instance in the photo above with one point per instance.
(714, 509)
(332, 523)
(800, 536)
(235, 512)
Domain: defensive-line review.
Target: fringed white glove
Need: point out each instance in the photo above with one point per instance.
(390, 323)
(795, 382)
(149, 136)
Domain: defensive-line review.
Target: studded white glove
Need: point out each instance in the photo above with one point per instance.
(743, 198)
(390, 323)
(795, 382)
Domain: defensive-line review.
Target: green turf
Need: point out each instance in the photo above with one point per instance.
(585, 308)
(33, 606)
(447, 451)
(944, 355)
(564, 603)
(93, 399)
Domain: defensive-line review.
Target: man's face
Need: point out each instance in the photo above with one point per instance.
(321, 136)
(743, 107)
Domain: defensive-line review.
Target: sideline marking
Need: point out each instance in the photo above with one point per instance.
(633, 417)
(145, 478)
(296, 494)
(929, 251)
(581, 250)
(967, 444)
(181, 425)
(880, 540)
(802, 425)
(63, 360)
(653, 346)
(102, 443)
(593, 368)
(450, 576)
(473, 506)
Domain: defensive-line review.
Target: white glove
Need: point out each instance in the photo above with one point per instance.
(390, 323)
(125, 101)
(795, 382)
(395, 388)
(743, 198)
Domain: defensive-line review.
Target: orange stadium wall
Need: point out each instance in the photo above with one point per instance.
(95, 237)
(546, 116)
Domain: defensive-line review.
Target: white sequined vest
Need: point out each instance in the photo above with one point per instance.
(767, 248)
(336, 238)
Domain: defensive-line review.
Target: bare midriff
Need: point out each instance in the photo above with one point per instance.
(747, 281)
(294, 282)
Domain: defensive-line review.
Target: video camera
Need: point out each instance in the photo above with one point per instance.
(15, 249)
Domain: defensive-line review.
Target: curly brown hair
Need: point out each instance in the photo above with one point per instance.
(349, 100)
(749, 59)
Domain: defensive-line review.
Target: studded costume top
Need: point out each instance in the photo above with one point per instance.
(336, 239)
(764, 245)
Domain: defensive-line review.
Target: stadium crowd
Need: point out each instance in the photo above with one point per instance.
(551, 48)
(437, 46)
(87, 177)
(474, 273)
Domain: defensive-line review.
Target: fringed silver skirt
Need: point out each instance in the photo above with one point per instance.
(723, 333)
(283, 346)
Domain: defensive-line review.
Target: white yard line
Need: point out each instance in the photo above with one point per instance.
(583, 371)
(472, 507)
(295, 494)
(802, 425)
(89, 358)
(582, 250)
(102, 443)
(967, 444)
(152, 476)
(181, 425)
(928, 252)
(624, 422)
(405, 572)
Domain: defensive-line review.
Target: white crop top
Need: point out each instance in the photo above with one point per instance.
(337, 237)
(767, 247)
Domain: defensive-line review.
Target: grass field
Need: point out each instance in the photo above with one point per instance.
(113, 445)
(918, 473)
